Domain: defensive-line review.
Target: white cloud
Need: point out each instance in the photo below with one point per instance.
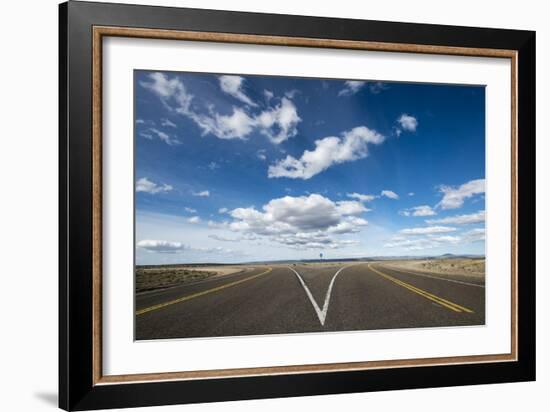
(223, 210)
(351, 87)
(477, 217)
(223, 238)
(291, 93)
(161, 246)
(268, 94)
(147, 186)
(411, 193)
(232, 85)
(423, 210)
(389, 194)
(453, 197)
(140, 121)
(213, 166)
(169, 247)
(430, 242)
(407, 122)
(433, 240)
(301, 222)
(165, 137)
(190, 210)
(237, 125)
(351, 207)
(260, 154)
(361, 197)
(167, 89)
(353, 145)
(474, 235)
(167, 123)
(217, 225)
(427, 230)
(278, 122)
(204, 193)
(377, 87)
(194, 219)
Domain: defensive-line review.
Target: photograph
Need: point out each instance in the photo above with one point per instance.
(286, 205)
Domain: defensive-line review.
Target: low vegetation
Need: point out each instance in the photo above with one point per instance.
(150, 278)
(467, 267)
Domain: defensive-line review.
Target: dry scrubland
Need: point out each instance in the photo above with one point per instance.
(473, 268)
(151, 278)
(159, 277)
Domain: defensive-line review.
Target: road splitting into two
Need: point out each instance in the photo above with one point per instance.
(321, 312)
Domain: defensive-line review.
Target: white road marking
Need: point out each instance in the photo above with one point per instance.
(321, 313)
(411, 272)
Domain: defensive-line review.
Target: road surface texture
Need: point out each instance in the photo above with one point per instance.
(309, 298)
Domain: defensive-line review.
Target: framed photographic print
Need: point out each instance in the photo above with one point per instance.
(257, 205)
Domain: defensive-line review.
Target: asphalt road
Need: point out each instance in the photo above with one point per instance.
(309, 298)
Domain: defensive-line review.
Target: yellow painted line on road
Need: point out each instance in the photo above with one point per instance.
(443, 302)
(196, 295)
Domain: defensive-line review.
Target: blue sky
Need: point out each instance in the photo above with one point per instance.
(239, 168)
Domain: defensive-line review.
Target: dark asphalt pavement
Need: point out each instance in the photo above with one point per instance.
(299, 298)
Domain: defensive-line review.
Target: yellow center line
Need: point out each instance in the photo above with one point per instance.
(196, 295)
(443, 302)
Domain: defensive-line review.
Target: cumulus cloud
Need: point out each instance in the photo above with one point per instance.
(477, 217)
(194, 219)
(190, 210)
(161, 246)
(223, 210)
(147, 186)
(427, 230)
(301, 222)
(351, 87)
(278, 122)
(389, 194)
(361, 197)
(233, 85)
(170, 247)
(423, 210)
(453, 197)
(407, 122)
(329, 151)
(204, 193)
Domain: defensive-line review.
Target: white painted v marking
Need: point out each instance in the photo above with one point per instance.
(321, 313)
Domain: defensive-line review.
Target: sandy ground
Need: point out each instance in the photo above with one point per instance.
(474, 268)
(152, 278)
(218, 270)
